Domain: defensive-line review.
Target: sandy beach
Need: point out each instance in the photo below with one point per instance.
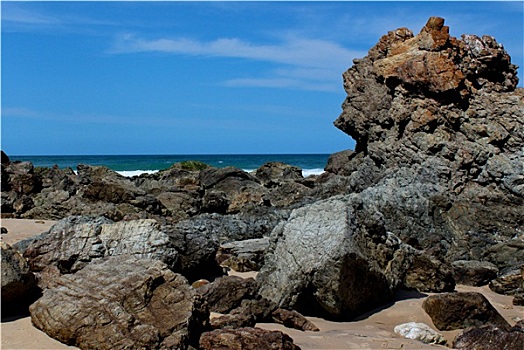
(371, 331)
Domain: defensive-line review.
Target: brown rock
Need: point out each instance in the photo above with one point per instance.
(450, 311)
(293, 319)
(121, 303)
(246, 339)
(227, 293)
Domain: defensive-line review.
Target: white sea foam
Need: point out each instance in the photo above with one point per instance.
(307, 172)
(131, 173)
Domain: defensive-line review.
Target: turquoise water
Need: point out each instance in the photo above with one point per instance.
(135, 164)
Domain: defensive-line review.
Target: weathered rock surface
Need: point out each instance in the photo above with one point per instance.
(490, 337)
(334, 258)
(121, 302)
(450, 311)
(246, 339)
(19, 287)
(74, 242)
(421, 332)
(445, 113)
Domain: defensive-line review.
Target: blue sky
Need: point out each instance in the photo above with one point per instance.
(201, 77)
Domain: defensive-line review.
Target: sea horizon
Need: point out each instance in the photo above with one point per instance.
(137, 164)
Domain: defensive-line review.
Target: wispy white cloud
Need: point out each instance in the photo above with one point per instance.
(17, 14)
(310, 64)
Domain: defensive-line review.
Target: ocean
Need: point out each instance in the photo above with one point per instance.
(132, 165)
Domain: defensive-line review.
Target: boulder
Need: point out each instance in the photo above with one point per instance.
(293, 319)
(333, 258)
(474, 273)
(421, 332)
(72, 243)
(243, 256)
(246, 339)
(450, 311)
(122, 302)
(227, 293)
(19, 287)
(490, 337)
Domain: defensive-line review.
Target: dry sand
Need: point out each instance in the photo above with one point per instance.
(372, 331)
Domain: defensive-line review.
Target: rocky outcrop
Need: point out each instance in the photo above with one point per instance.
(122, 302)
(246, 339)
(445, 113)
(19, 287)
(450, 311)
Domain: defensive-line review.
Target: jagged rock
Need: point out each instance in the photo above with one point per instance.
(72, 243)
(509, 282)
(474, 273)
(444, 113)
(421, 332)
(19, 287)
(246, 339)
(122, 302)
(450, 311)
(243, 256)
(490, 337)
(333, 258)
(227, 293)
(293, 319)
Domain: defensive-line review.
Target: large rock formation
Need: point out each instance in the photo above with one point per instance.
(122, 302)
(439, 130)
